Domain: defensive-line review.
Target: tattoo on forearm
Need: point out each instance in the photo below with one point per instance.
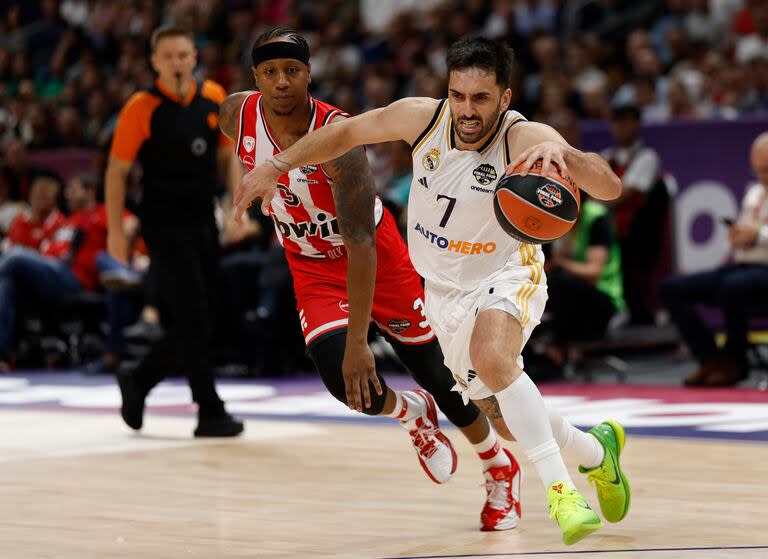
(354, 194)
(490, 407)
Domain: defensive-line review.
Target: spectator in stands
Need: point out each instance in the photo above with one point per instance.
(640, 213)
(82, 243)
(21, 170)
(584, 284)
(9, 209)
(58, 270)
(737, 289)
(34, 228)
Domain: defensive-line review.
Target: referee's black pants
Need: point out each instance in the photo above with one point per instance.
(185, 264)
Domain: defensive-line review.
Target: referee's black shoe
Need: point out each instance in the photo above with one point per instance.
(220, 426)
(132, 409)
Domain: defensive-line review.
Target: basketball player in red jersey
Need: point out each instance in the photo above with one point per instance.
(350, 264)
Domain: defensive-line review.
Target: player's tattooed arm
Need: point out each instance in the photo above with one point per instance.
(354, 194)
(229, 114)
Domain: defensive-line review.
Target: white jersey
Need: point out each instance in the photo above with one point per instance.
(454, 239)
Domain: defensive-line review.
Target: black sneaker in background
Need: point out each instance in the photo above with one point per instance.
(221, 426)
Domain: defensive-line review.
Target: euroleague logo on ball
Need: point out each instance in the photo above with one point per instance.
(549, 195)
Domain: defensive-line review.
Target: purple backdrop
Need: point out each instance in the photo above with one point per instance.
(710, 161)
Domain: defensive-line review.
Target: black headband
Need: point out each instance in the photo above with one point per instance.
(280, 49)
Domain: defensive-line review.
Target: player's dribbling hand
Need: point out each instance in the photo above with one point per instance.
(548, 152)
(358, 368)
(260, 182)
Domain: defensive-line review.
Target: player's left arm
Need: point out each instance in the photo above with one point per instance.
(354, 194)
(534, 141)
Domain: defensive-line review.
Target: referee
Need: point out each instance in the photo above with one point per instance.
(172, 131)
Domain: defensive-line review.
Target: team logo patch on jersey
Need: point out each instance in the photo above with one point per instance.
(344, 306)
(308, 169)
(431, 161)
(248, 160)
(399, 325)
(249, 142)
(485, 174)
(549, 195)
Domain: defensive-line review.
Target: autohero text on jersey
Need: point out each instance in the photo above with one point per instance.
(460, 247)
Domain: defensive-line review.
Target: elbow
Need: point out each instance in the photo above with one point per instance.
(613, 187)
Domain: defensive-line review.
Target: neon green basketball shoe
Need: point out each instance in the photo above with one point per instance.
(610, 482)
(571, 511)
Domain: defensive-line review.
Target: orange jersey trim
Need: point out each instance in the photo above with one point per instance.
(133, 125)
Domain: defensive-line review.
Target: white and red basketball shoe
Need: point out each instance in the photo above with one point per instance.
(502, 505)
(435, 451)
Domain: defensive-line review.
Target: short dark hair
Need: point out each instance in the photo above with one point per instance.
(274, 33)
(625, 110)
(167, 31)
(479, 52)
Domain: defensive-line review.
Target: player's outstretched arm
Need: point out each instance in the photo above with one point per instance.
(402, 120)
(354, 194)
(534, 141)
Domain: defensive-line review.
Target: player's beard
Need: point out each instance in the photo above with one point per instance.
(484, 129)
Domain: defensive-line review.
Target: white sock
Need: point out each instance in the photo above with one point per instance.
(407, 405)
(490, 453)
(525, 414)
(587, 449)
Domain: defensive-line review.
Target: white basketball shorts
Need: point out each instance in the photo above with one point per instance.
(452, 314)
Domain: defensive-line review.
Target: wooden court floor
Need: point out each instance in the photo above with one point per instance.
(79, 485)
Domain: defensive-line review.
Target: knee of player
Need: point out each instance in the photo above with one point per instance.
(492, 364)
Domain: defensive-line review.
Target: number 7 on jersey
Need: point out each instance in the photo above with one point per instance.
(448, 210)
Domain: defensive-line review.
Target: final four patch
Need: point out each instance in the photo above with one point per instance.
(399, 325)
(549, 195)
(485, 174)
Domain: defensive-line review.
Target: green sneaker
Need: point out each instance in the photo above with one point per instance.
(573, 515)
(610, 482)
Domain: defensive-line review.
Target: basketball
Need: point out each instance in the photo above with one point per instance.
(537, 208)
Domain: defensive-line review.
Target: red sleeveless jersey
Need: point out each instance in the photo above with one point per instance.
(304, 212)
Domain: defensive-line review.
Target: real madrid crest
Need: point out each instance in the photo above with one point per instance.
(431, 159)
(485, 174)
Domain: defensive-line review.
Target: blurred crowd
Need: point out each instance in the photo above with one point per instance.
(68, 66)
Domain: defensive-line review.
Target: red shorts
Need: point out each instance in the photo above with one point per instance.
(320, 285)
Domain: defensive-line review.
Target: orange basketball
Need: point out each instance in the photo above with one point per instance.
(536, 208)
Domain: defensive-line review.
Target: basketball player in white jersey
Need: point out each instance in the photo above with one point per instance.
(485, 291)
(350, 267)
